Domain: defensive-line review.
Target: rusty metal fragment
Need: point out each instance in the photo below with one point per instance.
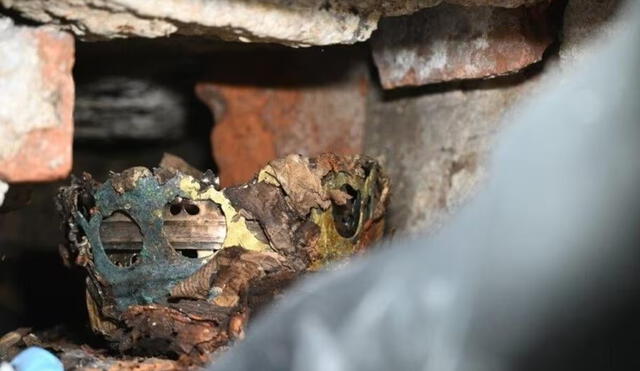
(176, 266)
(453, 42)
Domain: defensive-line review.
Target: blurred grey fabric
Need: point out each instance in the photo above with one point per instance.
(548, 247)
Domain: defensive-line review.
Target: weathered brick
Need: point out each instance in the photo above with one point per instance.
(305, 114)
(36, 100)
(452, 42)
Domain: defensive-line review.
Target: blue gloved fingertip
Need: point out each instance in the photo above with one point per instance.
(36, 359)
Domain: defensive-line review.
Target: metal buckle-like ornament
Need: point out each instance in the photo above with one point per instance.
(175, 265)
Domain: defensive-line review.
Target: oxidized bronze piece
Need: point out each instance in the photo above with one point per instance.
(175, 266)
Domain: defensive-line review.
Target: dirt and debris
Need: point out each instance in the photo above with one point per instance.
(76, 356)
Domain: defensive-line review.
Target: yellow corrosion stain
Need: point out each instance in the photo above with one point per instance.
(267, 175)
(238, 234)
(331, 246)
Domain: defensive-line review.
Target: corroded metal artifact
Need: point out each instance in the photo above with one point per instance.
(176, 266)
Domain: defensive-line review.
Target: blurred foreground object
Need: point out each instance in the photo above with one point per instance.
(523, 277)
(176, 266)
(36, 359)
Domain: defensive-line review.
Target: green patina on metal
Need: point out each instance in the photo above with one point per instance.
(160, 266)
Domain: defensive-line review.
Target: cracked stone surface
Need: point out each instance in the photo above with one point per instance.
(299, 23)
(36, 103)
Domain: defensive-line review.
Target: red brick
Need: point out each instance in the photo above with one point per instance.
(45, 152)
(451, 42)
(256, 124)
